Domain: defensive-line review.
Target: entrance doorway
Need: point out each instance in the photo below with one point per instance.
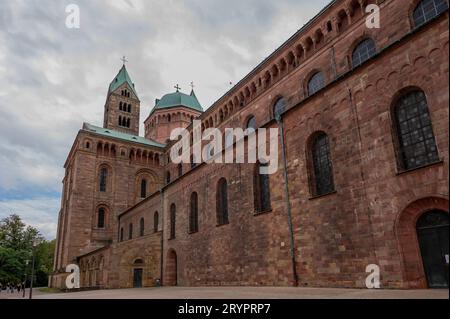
(433, 236)
(137, 278)
(171, 269)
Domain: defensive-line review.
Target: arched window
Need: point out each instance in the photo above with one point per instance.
(316, 83)
(167, 177)
(173, 212)
(323, 182)
(141, 227)
(103, 179)
(155, 222)
(279, 107)
(129, 108)
(363, 52)
(120, 106)
(121, 234)
(261, 188)
(120, 120)
(130, 231)
(193, 215)
(426, 10)
(251, 123)
(143, 188)
(101, 218)
(128, 123)
(416, 141)
(222, 202)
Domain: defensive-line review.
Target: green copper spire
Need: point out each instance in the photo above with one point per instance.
(121, 78)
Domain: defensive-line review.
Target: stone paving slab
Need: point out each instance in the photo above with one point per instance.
(244, 293)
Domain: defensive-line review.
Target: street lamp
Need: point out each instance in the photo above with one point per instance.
(36, 242)
(25, 281)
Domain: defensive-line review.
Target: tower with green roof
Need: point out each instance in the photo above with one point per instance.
(122, 107)
(172, 111)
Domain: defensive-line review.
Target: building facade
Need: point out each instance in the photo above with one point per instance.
(362, 177)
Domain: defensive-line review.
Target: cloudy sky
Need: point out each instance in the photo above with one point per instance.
(52, 78)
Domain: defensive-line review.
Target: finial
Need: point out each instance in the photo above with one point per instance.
(192, 85)
(177, 87)
(124, 60)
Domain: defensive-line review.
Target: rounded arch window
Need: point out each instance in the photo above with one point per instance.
(279, 107)
(251, 123)
(365, 50)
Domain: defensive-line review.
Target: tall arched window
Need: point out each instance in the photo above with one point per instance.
(101, 218)
(426, 10)
(155, 222)
(129, 108)
(121, 234)
(222, 202)
(120, 106)
(193, 214)
(322, 169)
(261, 188)
(167, 177)
(416, 141)
(143, 188)
(251, 123)
(141, 227)
(173, 215)
(130, 231)
(128, 123)
(316, 83)
(279, 107)
(363, 52)
(103, 179)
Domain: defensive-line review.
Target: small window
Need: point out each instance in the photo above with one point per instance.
(130, 231)
(279, 107)
(316, 83)
(88, 145)
(426, 10)
(121, 234)
(173, 212)
(261, 190)
(143, 188)
(180, 170)
(193, 214)
(167, 177)
(363, 52)
(141, 227)
(222, 202)
(101, 218)
(155, 222)
(103, 179)
(129, 108)
(323, 182)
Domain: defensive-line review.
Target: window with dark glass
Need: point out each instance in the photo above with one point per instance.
(141, 227)
(417, 145)
(173, 212)
(251, 123)
(316, 83)
(279, 107)
(322, 165)
(261, 190)
(121, 234)
(143, 188)
(167, 177)
(155, 222)
(103, 179)
(363, 52)
(222, 202)
(180, 170)
(193, 216)
(101, 218)
(130, 231)
(426, 10)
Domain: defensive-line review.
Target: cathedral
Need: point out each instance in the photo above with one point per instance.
(362, 179)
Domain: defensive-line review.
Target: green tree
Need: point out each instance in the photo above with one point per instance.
(16, 247)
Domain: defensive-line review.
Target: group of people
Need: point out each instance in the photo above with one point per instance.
(12, 288)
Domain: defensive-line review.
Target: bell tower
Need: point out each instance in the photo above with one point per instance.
(122, 107)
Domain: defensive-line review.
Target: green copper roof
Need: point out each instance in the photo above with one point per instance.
(121, 78)
(179, 99)
(119, 135)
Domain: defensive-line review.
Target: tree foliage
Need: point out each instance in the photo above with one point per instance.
(16, 249)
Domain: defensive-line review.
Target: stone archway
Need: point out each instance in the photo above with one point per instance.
(171, 274)
(412, 264)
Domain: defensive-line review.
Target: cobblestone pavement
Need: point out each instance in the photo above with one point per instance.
(240, 293)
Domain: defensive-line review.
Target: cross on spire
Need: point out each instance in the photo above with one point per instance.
(192, 85)
(177, 87)
(124, 60)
